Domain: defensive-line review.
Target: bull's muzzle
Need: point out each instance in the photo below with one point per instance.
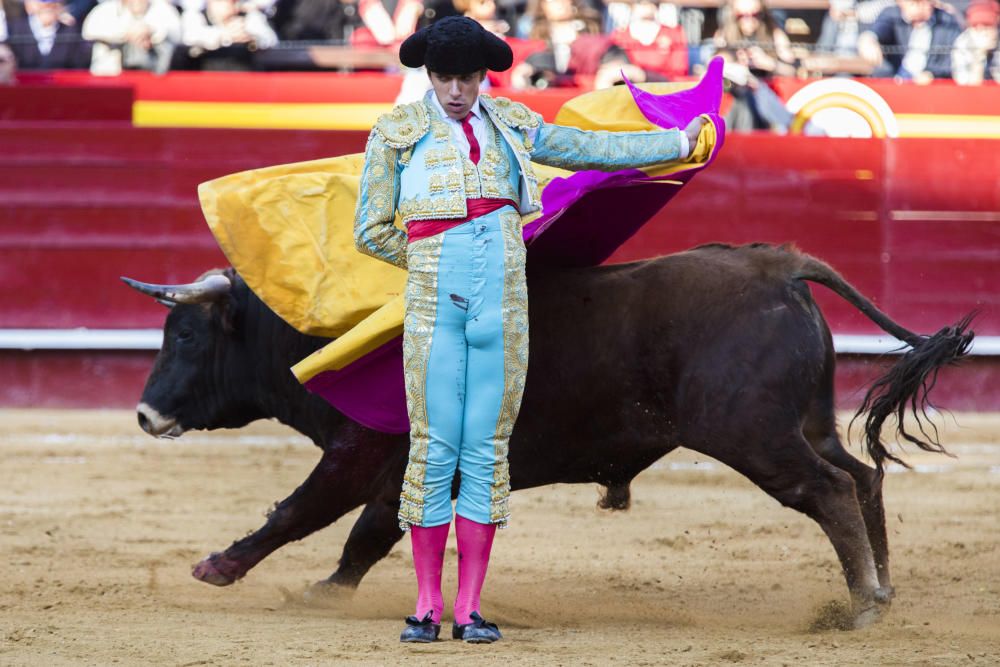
(155, 424)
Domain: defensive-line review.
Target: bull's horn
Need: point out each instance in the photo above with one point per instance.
(209, 288)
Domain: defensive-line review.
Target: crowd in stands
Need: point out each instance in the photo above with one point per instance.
(556, 42)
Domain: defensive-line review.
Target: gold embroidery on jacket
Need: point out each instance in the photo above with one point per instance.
(404, 125)
(427, 208)
(511, 113)
(375, 232)
(516, 140)
(440, 130)
(436, 157)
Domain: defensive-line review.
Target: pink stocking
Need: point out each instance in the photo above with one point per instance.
(474, 543)
(428, 558)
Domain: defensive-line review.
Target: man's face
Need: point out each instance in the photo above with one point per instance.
(220, 11)
(482, 10)
(457, 92)
(644, 11)
(747, 14)
(47, 13)
(916, 12)
(557, 10)
(137, 7)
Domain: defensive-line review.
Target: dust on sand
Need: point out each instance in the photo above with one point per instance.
(100, 524)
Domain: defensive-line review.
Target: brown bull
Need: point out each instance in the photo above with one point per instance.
(721, 350)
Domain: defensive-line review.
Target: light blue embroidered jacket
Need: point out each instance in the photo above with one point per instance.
(412, 166)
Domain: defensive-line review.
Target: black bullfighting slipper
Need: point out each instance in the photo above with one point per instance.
(477, 632)
(421, 631)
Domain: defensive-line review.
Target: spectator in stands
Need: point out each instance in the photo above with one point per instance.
(132, 34)
(840, 31)
(649, 43)
(225, 35)
(560, 24)
(483, 12)
(868, 11)
(911, 40)
(266, 7)
(749, 36)
(41, 40)
(8, 66)
(387, 22)
(976, 55)
(755, 49)
(77, 10)
(317, 20)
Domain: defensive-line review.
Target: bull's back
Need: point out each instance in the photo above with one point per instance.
(631, 351)
(704, 292)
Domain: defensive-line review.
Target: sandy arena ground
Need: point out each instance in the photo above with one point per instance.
(100, 524)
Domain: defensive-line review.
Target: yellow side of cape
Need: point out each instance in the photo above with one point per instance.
(289, 231)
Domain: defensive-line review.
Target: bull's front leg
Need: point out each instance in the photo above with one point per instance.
(374, 534)
(346, 477)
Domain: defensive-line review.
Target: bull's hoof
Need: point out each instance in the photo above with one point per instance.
(217, 570)
(867, 616)
(872, 611)
(327, 592)
(617, 497)
(885, 594)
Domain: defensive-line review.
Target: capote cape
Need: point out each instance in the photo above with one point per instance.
(288, 231)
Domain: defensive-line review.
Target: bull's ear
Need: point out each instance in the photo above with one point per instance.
(228, 314)
(228, 307)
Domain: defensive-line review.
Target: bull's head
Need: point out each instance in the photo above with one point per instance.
(195, 382)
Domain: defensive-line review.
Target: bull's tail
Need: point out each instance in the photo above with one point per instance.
(908, 383)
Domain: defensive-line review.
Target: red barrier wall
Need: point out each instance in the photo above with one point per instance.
(75, 103)
(90, 204)
(915, 224)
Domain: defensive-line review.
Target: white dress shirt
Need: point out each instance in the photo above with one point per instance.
(457, 133)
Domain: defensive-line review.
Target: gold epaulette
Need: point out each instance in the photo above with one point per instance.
(404, 125)
(511, 113)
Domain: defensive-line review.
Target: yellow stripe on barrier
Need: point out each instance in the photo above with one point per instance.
(345, 116)
(951, 126)
(351, 116)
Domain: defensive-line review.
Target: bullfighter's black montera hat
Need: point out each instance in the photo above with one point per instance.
(456, 45)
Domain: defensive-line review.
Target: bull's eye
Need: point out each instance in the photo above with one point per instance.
(185, 335)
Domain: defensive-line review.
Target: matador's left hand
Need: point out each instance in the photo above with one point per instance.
(692, 131)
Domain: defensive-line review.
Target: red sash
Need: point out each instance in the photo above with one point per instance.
(421, 229)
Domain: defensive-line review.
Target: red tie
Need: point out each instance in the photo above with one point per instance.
(471, 136)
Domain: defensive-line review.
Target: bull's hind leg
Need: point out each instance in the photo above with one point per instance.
(820, 430)
(868, 487)
(789, 470)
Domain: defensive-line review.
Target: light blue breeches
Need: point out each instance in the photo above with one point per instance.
(465, 355)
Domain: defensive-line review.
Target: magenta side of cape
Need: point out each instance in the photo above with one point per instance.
(370, 390)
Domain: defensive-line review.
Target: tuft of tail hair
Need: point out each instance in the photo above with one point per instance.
(906, 386)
